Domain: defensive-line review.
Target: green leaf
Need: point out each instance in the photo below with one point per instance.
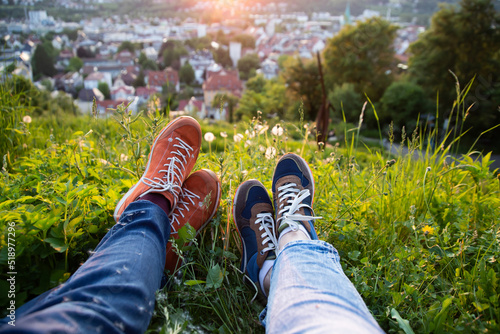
(214, 277)
(57, 244)
(192, 282)
(354, 255)
(186, 234)
(403, 324)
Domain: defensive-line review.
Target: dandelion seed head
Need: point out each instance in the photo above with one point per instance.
(209, 137)
(238, 137)
(27, 119)
(270, 152)
(223, 134)
(277, 130)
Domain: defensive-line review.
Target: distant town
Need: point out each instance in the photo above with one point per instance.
(120, 60)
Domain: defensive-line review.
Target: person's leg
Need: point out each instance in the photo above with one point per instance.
(308, 289)
(113, 292)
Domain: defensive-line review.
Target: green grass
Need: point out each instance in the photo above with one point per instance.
(418, 238)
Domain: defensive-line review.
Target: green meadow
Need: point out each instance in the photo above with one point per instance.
(418, 237)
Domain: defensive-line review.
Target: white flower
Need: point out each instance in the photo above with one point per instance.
(277, 130)
(238, 137)
(27, 119)
(123, 157)
(262, 148)
(209, 137)
(250, 134)
(248, 143)
(270, 152)
(223, 135)
(104, 162)
(261, 128)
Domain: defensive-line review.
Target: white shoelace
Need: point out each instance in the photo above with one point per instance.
(187, 197)
(290, 199)
(266, 222)
(173, 170)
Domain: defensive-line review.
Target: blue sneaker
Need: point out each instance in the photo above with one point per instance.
(293, 194)
(253, 216)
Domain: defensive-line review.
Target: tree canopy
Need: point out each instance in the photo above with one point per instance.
(186, 74)
(246, 64)
(362, 54)
(466, 41)
(42, 63)
(303, 81)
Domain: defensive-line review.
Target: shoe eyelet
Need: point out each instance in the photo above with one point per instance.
(261, 253)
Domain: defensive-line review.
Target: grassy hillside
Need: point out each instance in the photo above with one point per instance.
(418, 238)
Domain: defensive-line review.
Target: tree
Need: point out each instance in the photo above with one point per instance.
(271, 99)
(402, 103)
(247, 41)
(363, 55)
(172, 51)
(104, 89)
(42, 63)
(227, 100)
(464, 40)
(140, 80)
(247, 63)
(221, 57)
(71, 33)
(256, 83)
(186, 74)
(304, 84)
(75, 64)
(346, 99)
(127, 45)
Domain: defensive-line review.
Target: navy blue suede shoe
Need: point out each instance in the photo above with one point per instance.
(253, 216)
(293, 195)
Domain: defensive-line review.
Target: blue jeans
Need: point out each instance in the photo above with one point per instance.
(114, 290)
(311, 294)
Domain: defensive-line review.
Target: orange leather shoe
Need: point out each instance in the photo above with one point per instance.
(173, 155)
(198, 203)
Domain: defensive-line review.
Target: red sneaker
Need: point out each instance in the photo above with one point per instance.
(173, 155)
(198, 203)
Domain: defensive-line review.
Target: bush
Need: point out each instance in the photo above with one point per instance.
(402, 103)
(345, 98)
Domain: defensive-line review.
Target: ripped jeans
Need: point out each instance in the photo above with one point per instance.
(114, 290)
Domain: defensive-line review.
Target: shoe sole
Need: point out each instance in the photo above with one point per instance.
(131, 190)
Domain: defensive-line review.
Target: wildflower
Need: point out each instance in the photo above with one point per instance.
(238, 137)
(223, 134)
(25, 146)
(103, 161)
(209, 137)
(250, 134)
(123, 157)
(27, 119)
(262, 148)
(263, 129)
(428, 230)
(248, 143)
(277, 130)
(270, 152)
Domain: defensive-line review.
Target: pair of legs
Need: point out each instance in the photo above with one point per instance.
(299, 275)
(114, 290)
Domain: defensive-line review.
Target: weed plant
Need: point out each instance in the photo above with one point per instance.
(418, 237)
